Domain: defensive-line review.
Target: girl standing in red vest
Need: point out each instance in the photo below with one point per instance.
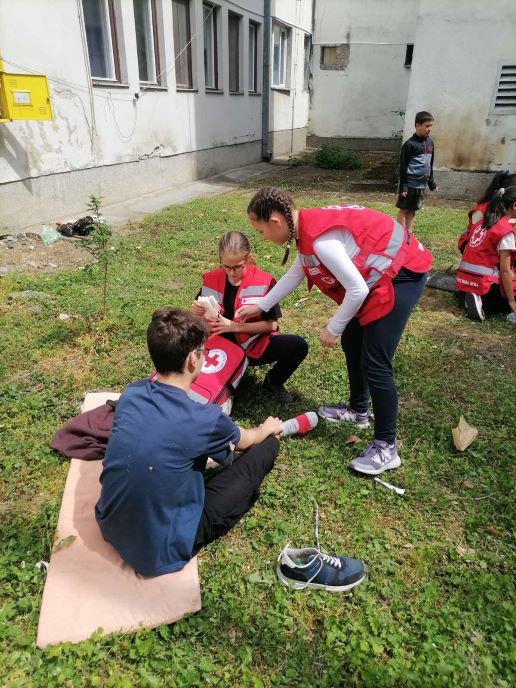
(238, 282)
(488, 255)
(376, 271)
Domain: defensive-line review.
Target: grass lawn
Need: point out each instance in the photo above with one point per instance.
(437, 606)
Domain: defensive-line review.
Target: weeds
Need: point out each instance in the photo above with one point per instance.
(331, 156)
(97, 244)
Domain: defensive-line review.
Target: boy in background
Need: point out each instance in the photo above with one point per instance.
(416, 170)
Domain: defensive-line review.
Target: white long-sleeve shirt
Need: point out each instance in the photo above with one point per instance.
(335, 249)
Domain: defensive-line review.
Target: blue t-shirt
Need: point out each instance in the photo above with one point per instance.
(152, 482)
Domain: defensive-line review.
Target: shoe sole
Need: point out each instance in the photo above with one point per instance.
(299, 585)
(395, 463)
(473, 311)
(362, 426)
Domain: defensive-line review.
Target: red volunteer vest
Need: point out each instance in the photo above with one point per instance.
(255, 284)
(475, 219)
(480, 264)
(384, 248)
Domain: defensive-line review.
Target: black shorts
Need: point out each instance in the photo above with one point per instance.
(412, 201)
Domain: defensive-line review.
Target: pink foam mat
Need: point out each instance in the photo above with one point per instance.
(88, 586)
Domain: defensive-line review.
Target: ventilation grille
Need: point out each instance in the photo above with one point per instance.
(505, 97)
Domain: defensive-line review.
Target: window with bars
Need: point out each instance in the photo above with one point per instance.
(145, 23)
(504, 97)
(182, 44)
(99, 20)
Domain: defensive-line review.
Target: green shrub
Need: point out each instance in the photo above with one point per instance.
(332, 157)
(303, 158)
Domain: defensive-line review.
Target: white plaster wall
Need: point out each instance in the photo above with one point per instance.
(289, 108)
(454, 76)
(367, 99)
(95, 126)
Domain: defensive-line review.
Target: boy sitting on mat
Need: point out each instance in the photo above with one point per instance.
(155, 507)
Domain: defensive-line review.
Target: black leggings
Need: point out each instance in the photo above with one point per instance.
(288, 351)
(232, 491)
(369, 352)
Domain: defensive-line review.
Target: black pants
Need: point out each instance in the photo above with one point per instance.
(232, 491)
(288, 351)
(369, 352)
(493, 302)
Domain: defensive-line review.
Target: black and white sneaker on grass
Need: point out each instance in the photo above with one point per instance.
(342, 412)
(474, 307)
(310, 568)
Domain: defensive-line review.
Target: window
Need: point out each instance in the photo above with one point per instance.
(234, 51)
(211, 71)
(147, 40)
(307, 72)
(408, 55)
(280, 49)
(253, 58)
(182, 45)
(99, 20)
(334, 56)
(504, 97)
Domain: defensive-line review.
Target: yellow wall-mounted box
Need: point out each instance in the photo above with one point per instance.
(24, 96)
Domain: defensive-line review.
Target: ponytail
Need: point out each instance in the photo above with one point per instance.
(500, 180)
(502, 200)
(270, 199)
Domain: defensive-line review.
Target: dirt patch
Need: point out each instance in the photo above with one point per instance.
(375, 182)
(26, 252)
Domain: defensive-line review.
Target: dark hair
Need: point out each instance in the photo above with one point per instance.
(424, 116)
(501, 179)
(502, 200)
(268, 199)
(172, 335)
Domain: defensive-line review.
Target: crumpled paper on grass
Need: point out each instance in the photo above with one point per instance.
(464, 434)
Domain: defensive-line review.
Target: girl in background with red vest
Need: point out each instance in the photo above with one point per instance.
(375, 270)
(487, 245)
(476, 214)
(237, 282)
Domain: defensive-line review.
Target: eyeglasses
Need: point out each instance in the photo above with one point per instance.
(202, 349)
(233, 268)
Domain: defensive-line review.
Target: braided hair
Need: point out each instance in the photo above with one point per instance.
(270, 199)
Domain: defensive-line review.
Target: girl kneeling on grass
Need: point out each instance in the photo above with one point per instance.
(237, 282)
(376, 271)
(486, 274)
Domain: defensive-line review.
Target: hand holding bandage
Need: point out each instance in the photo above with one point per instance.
(211, 311)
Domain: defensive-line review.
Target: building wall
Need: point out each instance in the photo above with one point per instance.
(289, 107)
(458, 46)
(365, 96)
(104, 140)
